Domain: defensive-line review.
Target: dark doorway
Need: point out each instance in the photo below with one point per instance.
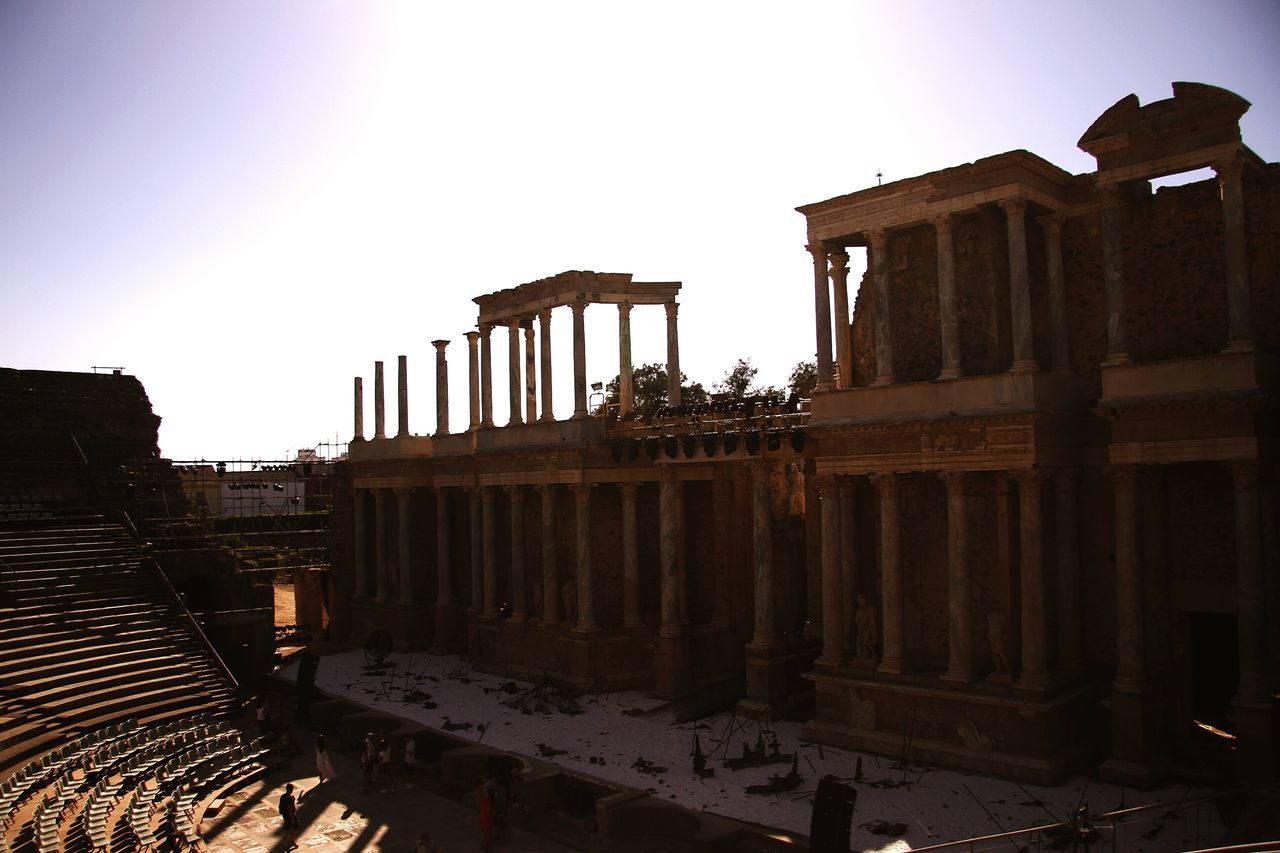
(1215, 667)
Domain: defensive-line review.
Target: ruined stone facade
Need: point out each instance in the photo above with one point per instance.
(1027, 524)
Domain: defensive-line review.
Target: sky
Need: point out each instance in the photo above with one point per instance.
(247, 204)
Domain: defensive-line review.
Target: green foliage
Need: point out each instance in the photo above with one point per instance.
(803, 378)
(649, 382)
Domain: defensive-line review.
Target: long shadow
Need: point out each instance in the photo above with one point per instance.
(229, 818)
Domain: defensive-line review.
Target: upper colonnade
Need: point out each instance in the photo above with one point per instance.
(517, 308)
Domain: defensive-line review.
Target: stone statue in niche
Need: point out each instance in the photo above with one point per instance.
(569, 597)
(997, 641)
(867, 623)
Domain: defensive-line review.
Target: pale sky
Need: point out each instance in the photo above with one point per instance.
(246, 204)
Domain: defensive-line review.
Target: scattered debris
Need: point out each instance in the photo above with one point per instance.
(883, 827)
(646, 766)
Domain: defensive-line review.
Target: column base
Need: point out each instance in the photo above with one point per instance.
(518, 618)
(585, 628)
(1033, 682)
(1024, 365)
(950, 373)
(891, 667)
(1242, 345)
(824, 660)
(957, 676)
(881, 381)
(632, 622)
(1116, 359)
(489, 613)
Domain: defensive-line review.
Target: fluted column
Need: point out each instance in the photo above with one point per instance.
(822, 314)
(959, 617)
(1130, 640)
(402, 397)
(1070, 640)
(519, 603)
(544, 341)
(1251, 593)
(893, 661)
(848, 563)
(586, 581)
(832, 581)
(879, 240)
(513, 373)
(765, 635)
(404, 531)
(550, 566)
(486, 375)
(490, 533)
(579, 308)
(1035, 652)
(360, 546)
(948, 301)
(626, 393)
(477, 548)
(1113, 276)
(382, 581)
(673, 354)
(839, 259)
(473, 379)
(1239, 316)
(630, 559)
(530, 376)
(1024, 354)
(442, 388)
(379, 403)
(444, 550)
(1059, 332)
(359, 413)
(667, 543)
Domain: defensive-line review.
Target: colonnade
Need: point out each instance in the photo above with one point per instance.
(374, 578)
(831, 275)
(841, 572)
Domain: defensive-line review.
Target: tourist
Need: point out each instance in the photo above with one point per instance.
(368, 761)
(410, 755)
(485, 805)
(324, 763)
(289, 809)
(384, 763)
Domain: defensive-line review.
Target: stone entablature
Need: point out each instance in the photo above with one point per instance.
(566, 288)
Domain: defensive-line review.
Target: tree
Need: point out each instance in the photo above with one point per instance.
(737, 382)
(649, 384)
(803, 379)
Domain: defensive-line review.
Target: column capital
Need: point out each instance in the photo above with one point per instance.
(440, 345)
(1013, 206)
(578, 306)
(403, 491)
(761, 470)
(581, 491)
(839, 258)
(956, 480)
(624, 308)
(485, 329)
(629, 488)
(1111, 195)
(473, 337)
(818, 249)
(1029, 476)
(544, 316)
(878, 238)
(528, 332)
(516, 493)
(942, 222)
(828, 484)
(1230, 169)
(1123, 476)
(1052, 222)
(1067, 478)
(886, 482)
(672, 308)
(546, 489)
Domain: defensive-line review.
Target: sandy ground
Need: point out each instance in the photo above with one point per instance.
(652, 752)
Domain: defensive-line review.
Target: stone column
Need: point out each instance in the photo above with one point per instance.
(832, 586)
(402, 397)
(444, 550)
(473, 378)
(442, 388)
(1239, 319)
(668, 543)
(359, 404)
(404, 531)
(764, 636)
(626, 393)
(379, 404)
(848, 563)
(544, 322)
(1113, 276)
(550, 567)
(477, 549)
(382, 582)
(822, 314)
(948, 301)
(489, 531)
(1035, 652)
(1059, 332)
(673, 355)
(1024, 353)
(519, 604)
(1251, 592)
(530, 376)
(586, 584)
(579, 308)
(893, 662)
(959, 616)
(1130, 649)
(630, 559)
(722, 532)
(879, 240)
(839, 259)
(513, 373)
(486, 376)
(360, 546)
(1070, 640)
(682, 556)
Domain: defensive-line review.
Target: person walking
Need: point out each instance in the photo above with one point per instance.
(485, 806)
(324, 763)
(410, 755)
(368, 761)
(289, 812)
(384, 764)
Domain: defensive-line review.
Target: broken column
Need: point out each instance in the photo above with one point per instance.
(359, 413)
(379, 406)
(402, 397)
